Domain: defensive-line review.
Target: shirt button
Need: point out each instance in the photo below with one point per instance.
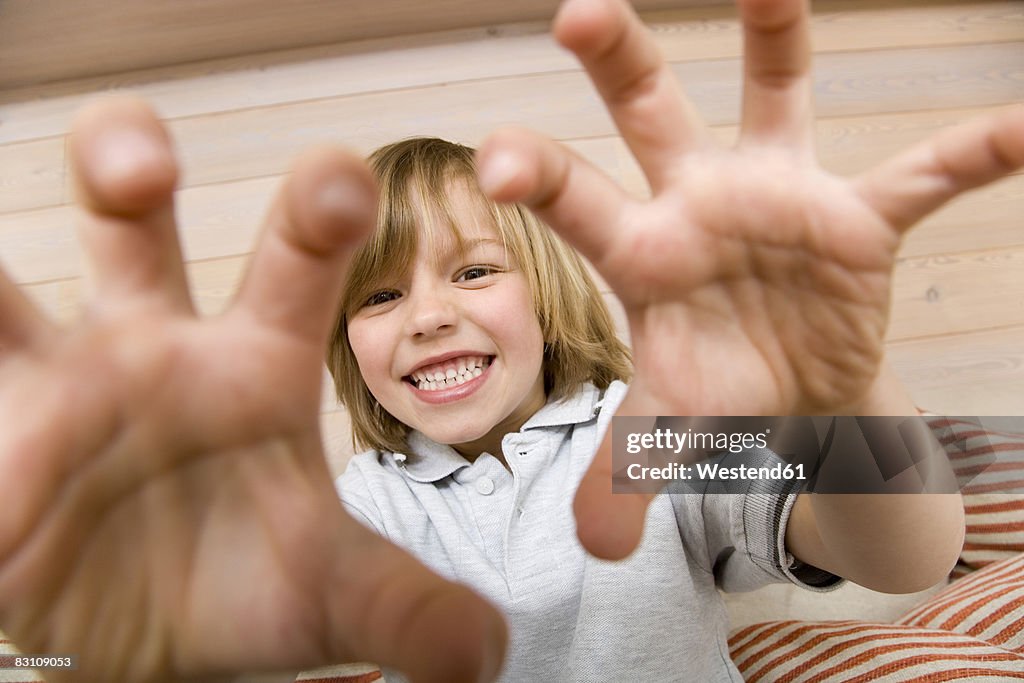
(485, 486)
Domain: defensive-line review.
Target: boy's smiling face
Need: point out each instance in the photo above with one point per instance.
(465, 315)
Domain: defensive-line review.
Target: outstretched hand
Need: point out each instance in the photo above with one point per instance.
(754, 282)
(168, 512)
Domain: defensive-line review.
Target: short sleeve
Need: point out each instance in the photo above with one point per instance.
(744, 533)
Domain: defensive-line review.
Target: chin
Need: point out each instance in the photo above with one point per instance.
(453, 437)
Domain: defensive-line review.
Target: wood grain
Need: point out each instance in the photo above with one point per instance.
(108, 36)
(978, 373)
(269, 78)
(222, 219)
(262, 141)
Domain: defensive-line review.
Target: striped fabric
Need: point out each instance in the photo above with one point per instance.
(995, 530)
(973, 630)
(345, 673)
(985, 460)
(853, 652)
(7, 649)
(990, 467)
(988, 605)
(993, 500)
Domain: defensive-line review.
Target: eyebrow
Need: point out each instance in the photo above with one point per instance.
(452, 252)
(469, 245)
(480, 240)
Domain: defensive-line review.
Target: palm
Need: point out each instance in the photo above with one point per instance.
(250, 472)
(753, 281)
(168, 510)
(782, 300)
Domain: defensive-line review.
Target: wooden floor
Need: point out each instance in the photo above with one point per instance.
(888, 74)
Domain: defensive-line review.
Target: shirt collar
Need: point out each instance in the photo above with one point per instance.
(428, 461)
(578, 407)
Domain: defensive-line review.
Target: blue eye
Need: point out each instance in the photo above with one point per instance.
(381, 297)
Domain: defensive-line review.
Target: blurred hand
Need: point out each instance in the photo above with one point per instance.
(754, 282)
(168, 512)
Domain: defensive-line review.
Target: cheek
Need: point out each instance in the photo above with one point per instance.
(370, 351)
(516, 323)
(528, 338)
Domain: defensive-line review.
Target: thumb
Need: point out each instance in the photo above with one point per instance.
(567, 192)
(609, 511)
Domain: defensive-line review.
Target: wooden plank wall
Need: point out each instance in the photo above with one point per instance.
(111, 36)
(888, 74)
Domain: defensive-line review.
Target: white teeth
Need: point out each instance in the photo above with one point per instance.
(460, 372)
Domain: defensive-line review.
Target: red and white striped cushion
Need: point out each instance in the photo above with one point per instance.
(988, 605)
(854, 652)
(343, 673)
(985, 460)
(990, 467)
(971, 631)
(7, 651)
(995, 530)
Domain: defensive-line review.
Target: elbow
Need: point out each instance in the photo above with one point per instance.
(915, 581)
(927, 560)
(948, 548)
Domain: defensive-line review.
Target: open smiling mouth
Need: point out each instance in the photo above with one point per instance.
(449, 374)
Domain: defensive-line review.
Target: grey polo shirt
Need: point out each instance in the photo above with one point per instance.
(510, 534)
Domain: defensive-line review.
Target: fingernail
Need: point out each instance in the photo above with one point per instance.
(125, 169)
(497, 170)
(124, 153)
(346, 198)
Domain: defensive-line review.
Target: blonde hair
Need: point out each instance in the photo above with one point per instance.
(416, 176)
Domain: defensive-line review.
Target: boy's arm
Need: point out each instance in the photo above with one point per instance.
(893, 543)
(168, 513)
(753, 281)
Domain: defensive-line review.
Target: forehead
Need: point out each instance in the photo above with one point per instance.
(426, 220)
(458, 222)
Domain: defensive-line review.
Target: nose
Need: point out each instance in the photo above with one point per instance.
(430, 312)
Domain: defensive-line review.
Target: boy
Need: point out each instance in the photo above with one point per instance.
(154, 455)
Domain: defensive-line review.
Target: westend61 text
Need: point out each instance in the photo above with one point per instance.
(703, 471)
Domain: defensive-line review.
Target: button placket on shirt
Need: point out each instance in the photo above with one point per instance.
(538, 550)
(485, 486)
(520, 453)
(510, 445)
(486, 483)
